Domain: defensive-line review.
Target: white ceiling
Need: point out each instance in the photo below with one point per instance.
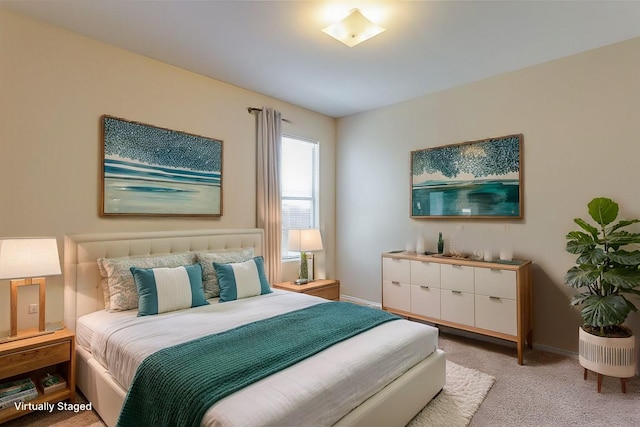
(276, 47)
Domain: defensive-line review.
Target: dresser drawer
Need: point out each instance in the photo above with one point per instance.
(456, 278)
(425, 301)
(330, 292)
(456, 306)
(425, 273)
(396, 270)
(496, 283)
(496, 314)
(35, 358)
(396, 295)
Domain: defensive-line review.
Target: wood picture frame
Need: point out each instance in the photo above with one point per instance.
(153, 171)
(474, 179)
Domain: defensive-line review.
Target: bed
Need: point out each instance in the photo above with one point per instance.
(381, 377)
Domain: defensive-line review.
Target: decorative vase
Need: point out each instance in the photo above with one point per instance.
(408, 247)
(506, 254)
(420, 245)
(614, 357)
(440, 244)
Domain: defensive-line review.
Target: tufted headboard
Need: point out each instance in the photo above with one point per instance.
(82, 290)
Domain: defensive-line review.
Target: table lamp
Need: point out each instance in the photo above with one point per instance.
(27, 261)
(304, 241)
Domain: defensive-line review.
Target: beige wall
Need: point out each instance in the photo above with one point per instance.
(579, 117)
(577, 114)
(55, 85)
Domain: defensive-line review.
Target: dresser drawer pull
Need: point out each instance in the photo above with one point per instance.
(424, 286)
(495, 270)
(495, 298)
(456, 266)
(426, 262)
(395, 283)
(456, 292)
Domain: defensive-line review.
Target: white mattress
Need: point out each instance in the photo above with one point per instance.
(317, 391)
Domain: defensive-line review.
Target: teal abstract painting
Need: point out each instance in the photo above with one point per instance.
(476, 179)
(148, 170)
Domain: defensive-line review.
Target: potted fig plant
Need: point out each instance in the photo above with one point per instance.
(606, 272)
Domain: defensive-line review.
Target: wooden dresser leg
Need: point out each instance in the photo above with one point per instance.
(520, 349)
(599, 382)
(585, 373)
(623, 384)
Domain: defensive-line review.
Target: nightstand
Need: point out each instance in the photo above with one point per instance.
(34, 358)
(328, 289)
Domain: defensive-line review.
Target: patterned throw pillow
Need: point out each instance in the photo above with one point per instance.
(242, 280)
(168, 289)
(123, 294)
(104, 283)
(209, 277)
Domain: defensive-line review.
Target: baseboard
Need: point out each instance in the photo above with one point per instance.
(360, 301)
(549, 349)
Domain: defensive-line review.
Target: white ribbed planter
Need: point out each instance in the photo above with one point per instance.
(614, 357)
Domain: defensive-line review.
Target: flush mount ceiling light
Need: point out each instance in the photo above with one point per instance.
(353, 29)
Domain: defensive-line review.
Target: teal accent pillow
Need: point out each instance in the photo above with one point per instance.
(242, 279)
(168, 289)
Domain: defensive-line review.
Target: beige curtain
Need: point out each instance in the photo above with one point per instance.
(268, 190)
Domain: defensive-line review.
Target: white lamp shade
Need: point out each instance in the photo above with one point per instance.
(22, 258)
(308, 240)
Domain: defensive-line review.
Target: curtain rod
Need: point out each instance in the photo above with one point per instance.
(252, 110)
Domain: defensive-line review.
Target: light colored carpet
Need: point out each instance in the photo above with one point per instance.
(464, 391)
(547, 391)
(462, 394)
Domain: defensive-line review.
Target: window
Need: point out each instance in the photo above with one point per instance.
(299, 180)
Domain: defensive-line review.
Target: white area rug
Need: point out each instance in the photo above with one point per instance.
(463, 392)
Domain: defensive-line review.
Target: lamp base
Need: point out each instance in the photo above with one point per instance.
(301, 281)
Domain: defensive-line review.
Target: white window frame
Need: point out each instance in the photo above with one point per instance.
(315, 209)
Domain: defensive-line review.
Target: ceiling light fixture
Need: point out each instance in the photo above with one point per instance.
(353, 29)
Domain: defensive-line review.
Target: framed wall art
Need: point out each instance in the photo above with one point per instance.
(475, 179)
(152, 171)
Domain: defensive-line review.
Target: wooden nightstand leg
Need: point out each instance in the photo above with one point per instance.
(599, 382)
(623, 384)
(585, 373)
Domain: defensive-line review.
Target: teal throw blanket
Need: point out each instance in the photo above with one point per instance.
(175, 386)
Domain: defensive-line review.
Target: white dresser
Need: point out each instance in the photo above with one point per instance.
(489, 298)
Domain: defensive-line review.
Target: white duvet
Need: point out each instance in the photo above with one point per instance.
(317, 391)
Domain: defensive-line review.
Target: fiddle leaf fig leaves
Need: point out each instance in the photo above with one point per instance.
(603, 211)
(606, 268)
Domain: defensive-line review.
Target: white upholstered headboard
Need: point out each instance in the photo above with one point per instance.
(82, 291)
